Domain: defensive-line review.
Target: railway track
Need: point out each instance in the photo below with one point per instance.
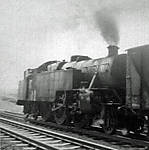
(34, 137)
(118, 142)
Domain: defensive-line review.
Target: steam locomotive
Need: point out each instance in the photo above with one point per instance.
(110, 92)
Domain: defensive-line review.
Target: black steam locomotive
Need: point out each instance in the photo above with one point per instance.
(110, 92)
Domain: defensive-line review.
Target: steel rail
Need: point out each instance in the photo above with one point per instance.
(77, 143)
(132, 140)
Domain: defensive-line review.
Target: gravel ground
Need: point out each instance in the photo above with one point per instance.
(7, 145)
(9, 105)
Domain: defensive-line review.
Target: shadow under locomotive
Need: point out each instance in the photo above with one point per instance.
(110, 92)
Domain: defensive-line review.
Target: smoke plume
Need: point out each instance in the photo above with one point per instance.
(108, 27)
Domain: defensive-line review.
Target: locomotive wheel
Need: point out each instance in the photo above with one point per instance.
(26, 116)
(82, 121)
(60, 116)
(46, 116)
(46, 113)
(60, 113)
(35, 116)
(109, 125)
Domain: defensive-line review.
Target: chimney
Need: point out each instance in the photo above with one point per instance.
(112, 50)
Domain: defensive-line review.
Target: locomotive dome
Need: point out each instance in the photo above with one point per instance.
(79, 58)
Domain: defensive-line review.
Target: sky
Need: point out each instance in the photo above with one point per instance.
(35, 31)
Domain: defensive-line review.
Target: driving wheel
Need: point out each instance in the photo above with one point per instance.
(109, 125)
(60, 113)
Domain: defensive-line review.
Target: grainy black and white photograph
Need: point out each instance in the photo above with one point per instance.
(74, 74)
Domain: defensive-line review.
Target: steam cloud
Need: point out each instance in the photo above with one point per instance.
(108, 27)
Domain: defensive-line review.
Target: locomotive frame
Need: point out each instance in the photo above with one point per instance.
(110, 92)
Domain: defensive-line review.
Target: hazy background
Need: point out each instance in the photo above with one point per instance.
(35, 31)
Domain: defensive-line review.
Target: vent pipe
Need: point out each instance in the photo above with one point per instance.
(112, 50)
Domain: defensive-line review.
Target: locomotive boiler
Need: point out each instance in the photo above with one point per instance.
(110, 70)
(110, 92)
